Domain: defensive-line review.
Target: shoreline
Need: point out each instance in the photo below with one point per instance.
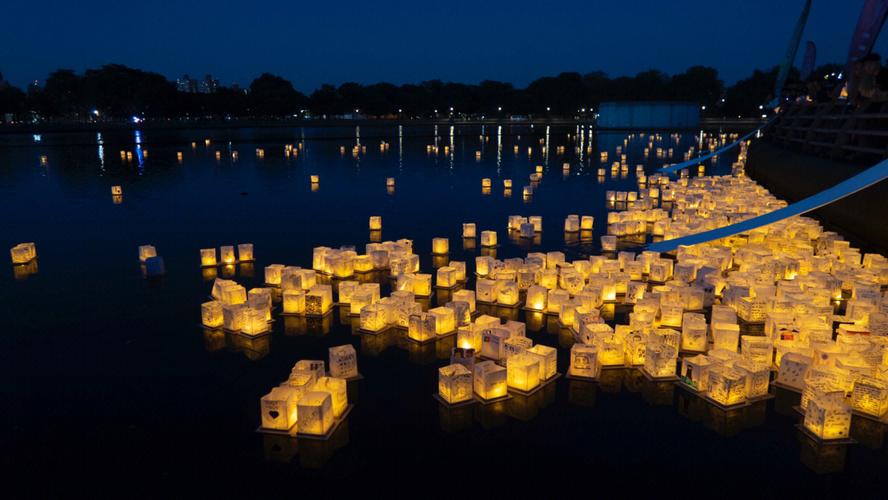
(31, 128)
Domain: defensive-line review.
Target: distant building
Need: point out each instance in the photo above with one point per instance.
(209, 85)
(186, 84)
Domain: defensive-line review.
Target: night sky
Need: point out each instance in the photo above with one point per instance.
(319, 42)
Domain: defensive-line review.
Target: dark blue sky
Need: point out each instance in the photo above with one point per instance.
(336, 41)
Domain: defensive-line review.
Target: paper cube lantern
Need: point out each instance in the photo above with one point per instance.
(468, 337)
(587, 222)
(226, 254)
(468, 230)
(446, 277)
(488, 238)
(793, 368)
(757, 376)
(725, 336)
(440, 246)
(693, 332)
(726, 386)
(375, 222)
(278, 409)
(493, 342)
(608, 243)
(272, 272)
(232, 293)
(337, 388)
(523, 372)
(445, 320)
(485, 182)
(537, 221)
(319, 300)
(548, 359)
(572, 224)
(460, 311)
(467, 296)
(255, 321)
(315, 411)
(489, 380)
(26, 252)
(695, 371)
(233, 316)
(537, 298)
(486, 290)
(315, 367)
(211, 314)
(507, 293)
(757, 348)
(455, 383)
(513, 346)
(659, 359)
(555, 299)
(207, 257)
(294, 301)
(343, 361)
(828, 419)
(460, 268)
(245, 252)
(584, 361)
(421, 327)
(870, 396)
(374, 318)
(145, 252)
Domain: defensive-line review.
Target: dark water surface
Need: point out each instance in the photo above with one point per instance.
(109, 381)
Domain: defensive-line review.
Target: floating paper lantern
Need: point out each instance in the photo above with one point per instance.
(659, 359)
(870, 396)
(211, 314)
(467, 296)
(245, 252)
(572, 224)
(315, 410)
(586, 222)
(693, 332)
(483, 265)
(455, 383)
(828, 419)
(490, 380)
(440, 246)
(584, 361)
(421, 327)
(527, 191)
(608, 243)
(507, 293)
(507, 183)
(226, 255)
(337, 388)
(537, 298)
(145, 252)
(695, 371)
(375, 222)
(343, 362)
(255, 322)
(488, 238)
(315, 179)
(485, 182)
(548, 360)
(207, 257)
(116, 190)
(278, 408)
(272, 272)
(523, 372)
(725, 336)
(293, 301)
(726, 386)
(26, 252)
(233, 316)
(319, 300)
(468, 230)
(446, 277)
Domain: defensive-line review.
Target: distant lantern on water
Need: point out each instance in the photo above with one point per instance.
(390, 182)
(507, 183)
(488, 238)
(207, 257)
(226, 254)
(179, 156)
(485, 182)
(468, 230)
(375, 222)
(315, 179)
(245, 252)
(116, 190)
(440, 246)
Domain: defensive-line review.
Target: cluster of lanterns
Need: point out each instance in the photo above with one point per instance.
(311, 402)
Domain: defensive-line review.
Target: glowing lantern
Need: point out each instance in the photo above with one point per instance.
(694, 371)
(693, 332)
(537, 298)
(26, 252)
(315, 179)
(490, 380)
(468, 230)
(444, 320)
(233, 316)
(440, 246)
(446, 277)
(343, 361)
(726, 386)
(207, 257)
(319, 300)
(507, 183)
(608, 243)
(145, 253)
(725, 336)
(659, 360)
(375, 222)
(337, 388)
(485, 182)
(211, 314)
(828, 419)
(870, 396)
(226, 255)
(294, 301)
(245, 252)
(255, 321)
(586, 222)
(488, 238)
(116, 191)
(421, 327)
(467, 296)
(390, 182)
(272, 272)
(572, 224)
(278, 408)
(584, 361)
(232, 293)
(523, 372)
(507, 293)
(757, 377)
(315, 410)
(548, 360)
(374, 317)
(455, 383)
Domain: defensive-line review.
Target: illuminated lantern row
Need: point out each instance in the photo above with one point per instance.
(309, 402)
(26, 252)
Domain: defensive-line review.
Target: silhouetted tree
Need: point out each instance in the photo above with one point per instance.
(271, 95)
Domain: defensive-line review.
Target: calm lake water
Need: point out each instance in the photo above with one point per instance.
(108, 377)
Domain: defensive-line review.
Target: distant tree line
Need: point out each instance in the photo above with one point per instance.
(115, 92)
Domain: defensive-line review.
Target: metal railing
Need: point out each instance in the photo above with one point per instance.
(835, 130)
